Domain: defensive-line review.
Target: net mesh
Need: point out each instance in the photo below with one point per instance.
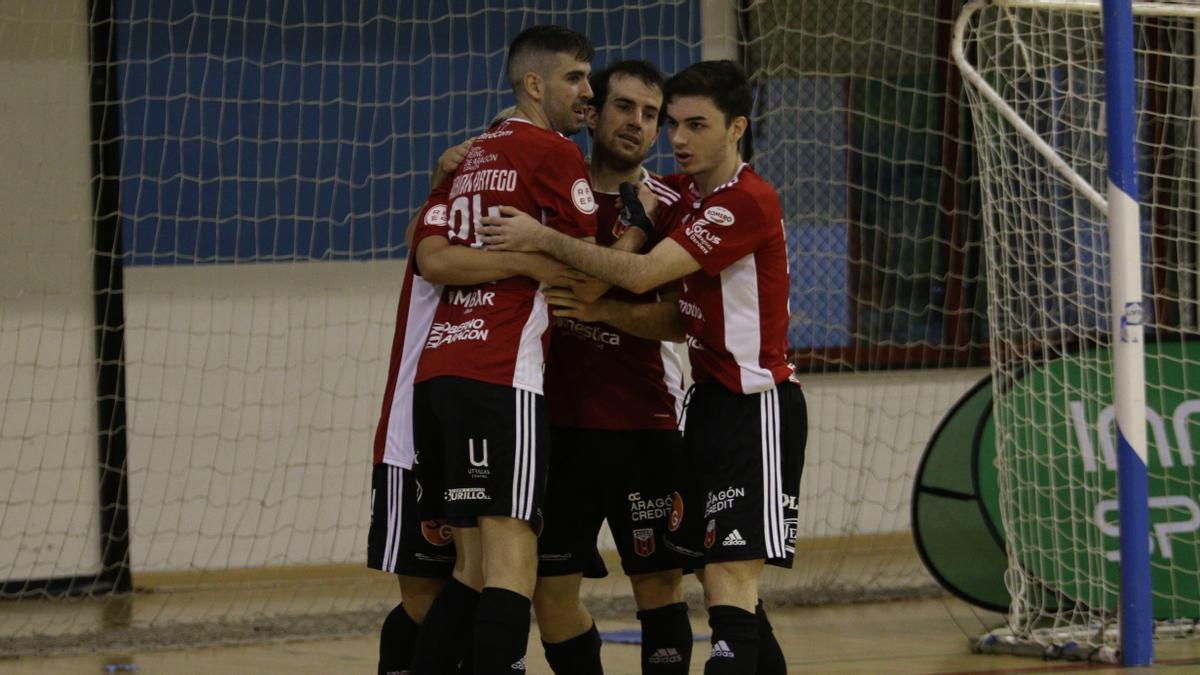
(262, 162)
(1048, 274)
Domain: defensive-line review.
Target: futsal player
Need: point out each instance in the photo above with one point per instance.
(613, 399)
(479, 414)
(746, 421)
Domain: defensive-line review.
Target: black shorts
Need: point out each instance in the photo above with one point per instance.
(622, 476)
(482, 450)
(746, 453)
(399, 541)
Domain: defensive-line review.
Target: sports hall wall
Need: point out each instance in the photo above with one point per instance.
(265, 185)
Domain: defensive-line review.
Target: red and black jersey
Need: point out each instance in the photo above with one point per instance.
(735, 308)
(414, 314)
(497, 332)
(599, 377)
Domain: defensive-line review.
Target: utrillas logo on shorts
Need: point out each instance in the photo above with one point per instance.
(581, 194)
(676, 512)
(436, 215)
(710, 534)
(437, 532)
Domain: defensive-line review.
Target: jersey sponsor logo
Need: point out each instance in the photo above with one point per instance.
(486, 180)
(734, 539)
(721, 500)
(499, 133)
(472, 299)
(436, 216)
(476, 157)
(582, 197)
(643, 542)
(437, 532)
(699, 235)
(676, 512)
(690, 309)
(710, 534)
(591, 332)
(445, 333)
(467, 494)
(693, 342)
(719, 215)
(650, 509)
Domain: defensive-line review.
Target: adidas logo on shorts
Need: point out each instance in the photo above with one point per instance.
(666, 655)
(519, 665)
(721, 650)
(734, 539)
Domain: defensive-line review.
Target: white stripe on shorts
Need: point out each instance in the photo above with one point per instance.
(522, 490)
(773, 530)
(395, 498)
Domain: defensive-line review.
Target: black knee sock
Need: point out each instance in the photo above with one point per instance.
(734, 641)
(666, 640)
(770, 655)
(501, 632)
(578, 656)
(444, 637)
(396, 641)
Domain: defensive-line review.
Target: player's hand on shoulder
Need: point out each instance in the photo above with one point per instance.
(512, 230)
(453, 157)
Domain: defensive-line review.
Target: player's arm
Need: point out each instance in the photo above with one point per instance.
(514, 230)
(442, 263)
(591, 289)
(653, 321)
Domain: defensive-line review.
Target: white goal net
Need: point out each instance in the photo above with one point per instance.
(235, 178)
(1036, 80)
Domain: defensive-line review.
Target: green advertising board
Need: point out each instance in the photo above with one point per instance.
(1063, 485)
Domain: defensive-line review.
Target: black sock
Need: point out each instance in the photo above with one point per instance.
(501, 632)
(666, 640)
(734, 641)
(770, 655)
(578, 656)
(396, 641)
(444, 637)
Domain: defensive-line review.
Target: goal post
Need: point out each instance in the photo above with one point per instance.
(267, 157)
(1069, 96)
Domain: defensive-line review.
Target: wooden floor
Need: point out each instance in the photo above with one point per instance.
(911, 636)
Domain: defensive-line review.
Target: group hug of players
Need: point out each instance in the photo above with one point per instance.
(533, 392)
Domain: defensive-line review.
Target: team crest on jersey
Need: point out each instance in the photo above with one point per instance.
(437, 532)
(436, 215)
(581, 195)
(719, 215)
(710, 534)
(643, 542)
(676, 512)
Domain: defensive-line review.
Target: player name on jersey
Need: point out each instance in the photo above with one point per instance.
(497, 332)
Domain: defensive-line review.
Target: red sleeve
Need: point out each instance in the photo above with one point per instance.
(562, 189)
(433, 218)
(730, 227)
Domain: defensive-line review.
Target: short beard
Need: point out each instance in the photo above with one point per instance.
(614, 161)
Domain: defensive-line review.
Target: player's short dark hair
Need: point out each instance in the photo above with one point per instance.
(722, 81)
(645, 71)
(547, 40)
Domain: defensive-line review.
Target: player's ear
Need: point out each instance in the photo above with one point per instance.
(591, 117)
(534, 85)
(737, 129)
